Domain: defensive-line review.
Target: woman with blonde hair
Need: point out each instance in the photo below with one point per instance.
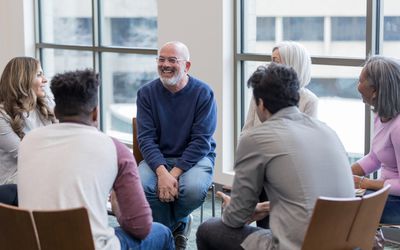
(23, 107)
(295, 55)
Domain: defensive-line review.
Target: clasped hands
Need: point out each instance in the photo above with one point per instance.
(260, 211)
(167, 183)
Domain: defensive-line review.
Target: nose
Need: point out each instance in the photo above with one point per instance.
(44, 79)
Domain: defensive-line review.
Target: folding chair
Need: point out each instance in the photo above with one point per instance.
(345, 223)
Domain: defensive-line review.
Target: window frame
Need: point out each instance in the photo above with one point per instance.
(97, 48)
(374, 28)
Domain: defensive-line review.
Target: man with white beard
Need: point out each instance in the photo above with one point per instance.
(176, 118)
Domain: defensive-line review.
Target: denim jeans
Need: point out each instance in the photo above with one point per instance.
(160, 238)
(193, 187)
(391, 212)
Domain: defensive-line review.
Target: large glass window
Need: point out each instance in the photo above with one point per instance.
(117, 38)
(340, 105)
(335, 33)
(303, 28)
(64, 22)
(326, 28)
(265, 28)
(391, 28)
(140, 32)
(348, 28)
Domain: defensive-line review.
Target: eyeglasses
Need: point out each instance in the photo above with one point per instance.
(171, 60)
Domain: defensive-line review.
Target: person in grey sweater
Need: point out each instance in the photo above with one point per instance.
(292, 156)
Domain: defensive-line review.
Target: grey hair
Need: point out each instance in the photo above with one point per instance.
(383, 74)
(295, 55)
(182, 48)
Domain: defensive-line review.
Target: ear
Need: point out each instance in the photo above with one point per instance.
(187, 66)
(260, 104)
(374, 94)
(95, 114)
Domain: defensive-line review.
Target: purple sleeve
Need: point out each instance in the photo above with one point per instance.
(369, 163)
(393, 177)
(135, 213)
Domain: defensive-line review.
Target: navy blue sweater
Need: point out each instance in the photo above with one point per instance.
(176, 125)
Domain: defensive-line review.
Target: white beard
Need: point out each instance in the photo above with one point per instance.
(172, 81)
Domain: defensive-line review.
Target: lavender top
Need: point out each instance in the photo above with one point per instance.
(385, 153)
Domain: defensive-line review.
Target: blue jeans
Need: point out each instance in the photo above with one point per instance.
(193, 187)
(160, 238)
(391, 212)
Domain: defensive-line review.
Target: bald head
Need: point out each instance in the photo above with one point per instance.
(179, 47)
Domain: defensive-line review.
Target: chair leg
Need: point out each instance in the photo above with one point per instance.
(212, 188)
(213, 199)
(201, 213)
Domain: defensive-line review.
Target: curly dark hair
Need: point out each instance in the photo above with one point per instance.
(75, 92)
(277, 85)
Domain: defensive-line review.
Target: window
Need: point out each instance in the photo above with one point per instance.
(139, 31)
(335, 34)
(75, 31)
(119, 41)
(303, 28)
(348, 28)
(392, 28)
(265, 28)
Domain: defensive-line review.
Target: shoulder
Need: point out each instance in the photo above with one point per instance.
(394, 127)
(200, 89)
(308, 95)
(121, 148)
(3, 113)
(151, 86)
(199, 84)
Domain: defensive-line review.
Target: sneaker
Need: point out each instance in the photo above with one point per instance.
(181, 234)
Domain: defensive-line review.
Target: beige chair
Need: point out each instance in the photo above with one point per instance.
(139, 157)
(345, 223)
(64, 229)
(17, 229)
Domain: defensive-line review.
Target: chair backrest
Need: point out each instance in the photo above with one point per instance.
(64, 229)
(136, 151)
(17, 229)
(345, 223)
(368, 218)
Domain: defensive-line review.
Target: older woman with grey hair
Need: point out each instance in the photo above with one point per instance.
(295, 55)
(379, 86)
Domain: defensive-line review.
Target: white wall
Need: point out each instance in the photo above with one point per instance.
(16, 30)
(205, 27)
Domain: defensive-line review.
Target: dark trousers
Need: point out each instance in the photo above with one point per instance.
(8, 194)
(264, 223)
(213, 234)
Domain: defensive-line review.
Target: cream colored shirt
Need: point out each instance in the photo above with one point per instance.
(9, 143)
(308, 104)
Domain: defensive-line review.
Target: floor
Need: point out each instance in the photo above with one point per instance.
(393, 234)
